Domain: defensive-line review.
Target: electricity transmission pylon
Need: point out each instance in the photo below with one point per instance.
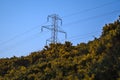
(54, 28)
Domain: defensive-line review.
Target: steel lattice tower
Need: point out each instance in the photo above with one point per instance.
(54, 27)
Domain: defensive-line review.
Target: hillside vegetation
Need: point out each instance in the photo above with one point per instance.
(96, 60)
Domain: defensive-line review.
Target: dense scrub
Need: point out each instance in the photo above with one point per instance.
(96, 60)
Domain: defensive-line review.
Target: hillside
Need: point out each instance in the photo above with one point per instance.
(96, 60)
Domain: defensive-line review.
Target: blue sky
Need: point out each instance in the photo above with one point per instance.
(21, 21)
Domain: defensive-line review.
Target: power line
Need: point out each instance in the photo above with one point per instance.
(24, 41)
(92, 17)
(72, 37)
(90, 9)
(78, 21)
(81, 36)
(34, 37)
(75, 38)
(71, 23)
(21, 34)
(24, 33)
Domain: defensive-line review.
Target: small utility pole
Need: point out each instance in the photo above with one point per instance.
(54, 28)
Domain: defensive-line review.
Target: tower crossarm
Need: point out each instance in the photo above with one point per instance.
(61, 31)
(47, 27)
